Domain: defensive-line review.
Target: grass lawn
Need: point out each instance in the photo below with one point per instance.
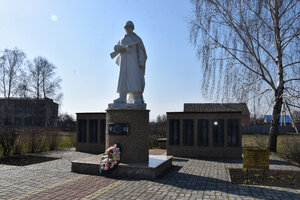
(252, 140)
(66, 140)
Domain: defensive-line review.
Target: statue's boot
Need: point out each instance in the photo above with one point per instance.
(138, 98)
(121, 99)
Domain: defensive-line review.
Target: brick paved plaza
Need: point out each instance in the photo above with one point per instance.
(187, 179)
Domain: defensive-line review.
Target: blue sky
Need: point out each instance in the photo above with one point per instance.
(78, 36)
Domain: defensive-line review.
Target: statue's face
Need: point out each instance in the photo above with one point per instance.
(128, 29)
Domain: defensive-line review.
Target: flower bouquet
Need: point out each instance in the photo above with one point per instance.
(110, 159)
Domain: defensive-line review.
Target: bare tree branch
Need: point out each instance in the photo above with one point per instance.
(255, 13)
(291, 64)
(292, 79)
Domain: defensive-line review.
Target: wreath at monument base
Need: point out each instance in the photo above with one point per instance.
(110, 159)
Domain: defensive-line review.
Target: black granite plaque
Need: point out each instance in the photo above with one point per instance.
(118, 129)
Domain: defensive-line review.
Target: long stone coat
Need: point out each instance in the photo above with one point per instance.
(131, 75)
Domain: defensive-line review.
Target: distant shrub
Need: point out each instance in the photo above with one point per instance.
(35, 138)
(18, 146)
(7, 140)
(32, 140)
(52, 138)
(152, 140)
(158, 129)
(291, 147)
(261, 141)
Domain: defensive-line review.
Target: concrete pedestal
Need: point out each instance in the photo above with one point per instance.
(157, 165)
(129, 128)
(134, 145)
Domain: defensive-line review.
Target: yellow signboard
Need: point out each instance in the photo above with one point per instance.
(256, 158)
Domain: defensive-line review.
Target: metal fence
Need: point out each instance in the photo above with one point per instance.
(264, 129)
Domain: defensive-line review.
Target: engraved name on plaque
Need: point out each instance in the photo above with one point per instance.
(118, 129)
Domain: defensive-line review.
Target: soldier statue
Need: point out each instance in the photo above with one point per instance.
(131, 58)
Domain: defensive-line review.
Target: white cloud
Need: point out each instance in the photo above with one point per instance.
(54, 18)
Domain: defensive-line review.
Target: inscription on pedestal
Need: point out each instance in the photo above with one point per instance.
(118, 129)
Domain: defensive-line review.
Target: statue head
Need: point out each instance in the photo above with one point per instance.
(129, 23)
(129, 27)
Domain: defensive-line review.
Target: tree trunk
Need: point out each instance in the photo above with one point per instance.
(272, 143)
(38, 88)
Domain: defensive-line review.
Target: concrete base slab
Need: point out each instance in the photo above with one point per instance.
(141, 106)
(154, 168)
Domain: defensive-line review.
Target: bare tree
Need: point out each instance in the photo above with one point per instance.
(42, 79)
(66, 122)
(250, 47)
(161, 119)
(23, 87)
(11, 64)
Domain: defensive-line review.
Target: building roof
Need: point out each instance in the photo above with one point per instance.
(216, 107)
(19, 99)
(287, 119)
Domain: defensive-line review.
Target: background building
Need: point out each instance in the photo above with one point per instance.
(283, 120)
(21, 112)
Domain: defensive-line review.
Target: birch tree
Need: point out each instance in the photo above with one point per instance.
(11, 64)
(250, 48)
(42, 79)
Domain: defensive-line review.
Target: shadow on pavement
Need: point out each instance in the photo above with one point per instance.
(235, 161)
(180, 160)
(280, 162)
(220, 160)
(182, 180)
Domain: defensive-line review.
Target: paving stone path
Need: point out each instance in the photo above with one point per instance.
(187, 179)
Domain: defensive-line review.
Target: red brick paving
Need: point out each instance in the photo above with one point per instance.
(75, 189)
(80, 188)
